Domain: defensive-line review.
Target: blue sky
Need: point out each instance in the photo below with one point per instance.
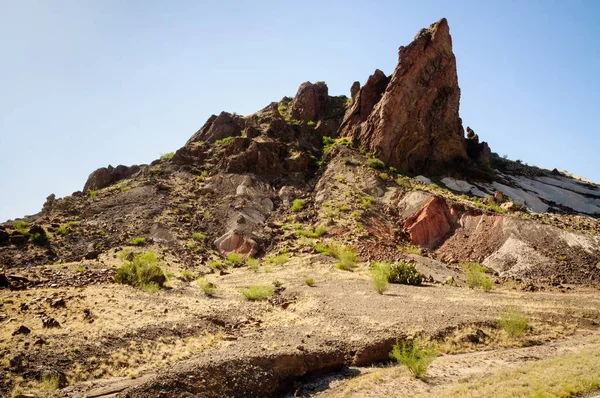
(89, 83)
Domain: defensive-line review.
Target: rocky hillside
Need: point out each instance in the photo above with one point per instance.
(385, 175)
(389, 161)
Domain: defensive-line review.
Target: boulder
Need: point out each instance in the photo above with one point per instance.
(106, 176)
(3, 236)
(415, 126)
(234, 242)
(17, 238)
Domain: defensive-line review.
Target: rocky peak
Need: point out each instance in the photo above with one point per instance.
(311, 101)
(219, 127)
(415, 125)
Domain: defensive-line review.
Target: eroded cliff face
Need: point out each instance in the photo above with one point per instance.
(414, 125)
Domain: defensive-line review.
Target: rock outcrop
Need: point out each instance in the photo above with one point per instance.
(105, 176)
(311, 101)
(415, 126)
(219, 127)
(363, 102)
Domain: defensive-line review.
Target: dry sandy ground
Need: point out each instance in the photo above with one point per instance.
(115, 335)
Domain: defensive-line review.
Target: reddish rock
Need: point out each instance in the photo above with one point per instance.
(310, 101)
(415, 126)
(354, 89)
(429, 226)
(234, 242)
(363, 102)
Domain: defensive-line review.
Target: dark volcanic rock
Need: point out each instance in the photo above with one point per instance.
(17, 238)
(219, 127)
(415, 126)
(3, 236)
(105, 176)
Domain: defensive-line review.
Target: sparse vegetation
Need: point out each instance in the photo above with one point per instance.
(297, 205)
(410, 249)
(199, 236)
(224, 141)
(207, 287)
(252, 263)
(379, 276)
(139, 241)
(319, 231)
(141, 270)
(235, 259)
(38, 238)
(566, 375)
(215, 265)
(514, 322)
(477, 276)
(279, 259)
(93, 193)
(187, 275)
(311, 123)
(345, 254)
(309, 281)
(375, 163)
(257, 292)
(329, 143)
(416, 355)
(167, 156)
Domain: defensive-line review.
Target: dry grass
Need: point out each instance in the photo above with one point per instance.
(562, 376)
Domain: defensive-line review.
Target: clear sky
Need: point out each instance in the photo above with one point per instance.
(84, 84)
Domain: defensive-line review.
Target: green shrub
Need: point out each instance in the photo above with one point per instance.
(415, 355)
(282, 109)
(311, 123)
(167, 156)
(405, 274)
(365, 202)
(411, 249)
(138, 241)
(21, 226)
(199, 236)
(375, 163)
(347, 259)
(477, 276)
(297, 205)
(207, 287)
(62, 230)
(39, 238)
(329, 143)
(351, 162)
(215, 265)
(124, 189)
(320, 230)
(142, 270)
(257, 292)
(309, 281)
(252, 263)
(235, 259)
(224, 141)
(93, 193)
(346, 255)
(186, 275)
(279, 260)
(379, 276)
(515, 323)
